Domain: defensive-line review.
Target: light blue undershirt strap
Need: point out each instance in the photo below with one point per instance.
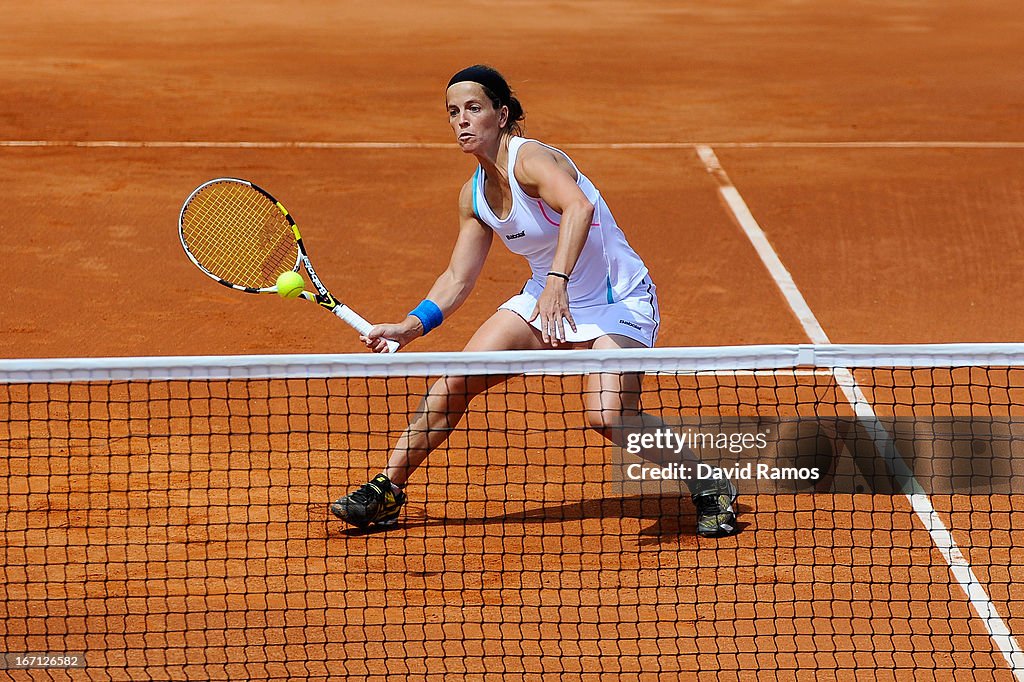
(476, 185)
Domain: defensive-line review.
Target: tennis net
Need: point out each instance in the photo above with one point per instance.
(168, 517)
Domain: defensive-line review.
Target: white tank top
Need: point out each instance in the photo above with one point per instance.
(608, 268)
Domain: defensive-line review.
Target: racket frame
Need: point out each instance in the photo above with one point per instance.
(322, 296)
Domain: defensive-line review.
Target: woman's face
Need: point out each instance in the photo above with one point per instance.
(473, 118)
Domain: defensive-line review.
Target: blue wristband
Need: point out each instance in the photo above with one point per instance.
(429, 315)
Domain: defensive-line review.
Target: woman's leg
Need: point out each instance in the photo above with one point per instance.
(613, 409)
(379, 501)
(446, 402)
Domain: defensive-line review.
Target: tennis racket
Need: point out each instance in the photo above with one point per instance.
(241, 236)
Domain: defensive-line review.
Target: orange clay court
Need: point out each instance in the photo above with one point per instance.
(878, 145)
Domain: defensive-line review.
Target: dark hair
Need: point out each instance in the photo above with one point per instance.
(497, 90)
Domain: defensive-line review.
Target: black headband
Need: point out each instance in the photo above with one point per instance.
(488, 78)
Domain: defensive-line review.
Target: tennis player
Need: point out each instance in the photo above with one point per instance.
(588, 289)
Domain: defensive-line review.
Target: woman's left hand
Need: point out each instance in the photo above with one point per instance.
(553, 309)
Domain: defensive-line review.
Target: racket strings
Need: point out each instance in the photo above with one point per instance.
(239, 235)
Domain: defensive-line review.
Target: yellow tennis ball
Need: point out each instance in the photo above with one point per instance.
(289, 284)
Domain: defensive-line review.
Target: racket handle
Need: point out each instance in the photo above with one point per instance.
(356, 321)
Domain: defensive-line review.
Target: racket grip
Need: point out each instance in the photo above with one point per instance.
(356, 321)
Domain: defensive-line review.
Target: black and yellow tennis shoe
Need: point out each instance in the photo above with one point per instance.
(715, 516)
(373, 504)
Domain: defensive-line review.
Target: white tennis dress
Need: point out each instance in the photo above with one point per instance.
(610, 291)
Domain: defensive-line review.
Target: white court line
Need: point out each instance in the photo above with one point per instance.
(214, 144)
(921, 503)
(298, 144)
(764, 249)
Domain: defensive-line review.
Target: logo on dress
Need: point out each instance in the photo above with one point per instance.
(630, 324)
(517, 235)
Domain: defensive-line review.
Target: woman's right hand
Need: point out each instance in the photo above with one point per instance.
(403, 334)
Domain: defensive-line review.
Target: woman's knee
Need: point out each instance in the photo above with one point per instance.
(453, 394)
(604, 420)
